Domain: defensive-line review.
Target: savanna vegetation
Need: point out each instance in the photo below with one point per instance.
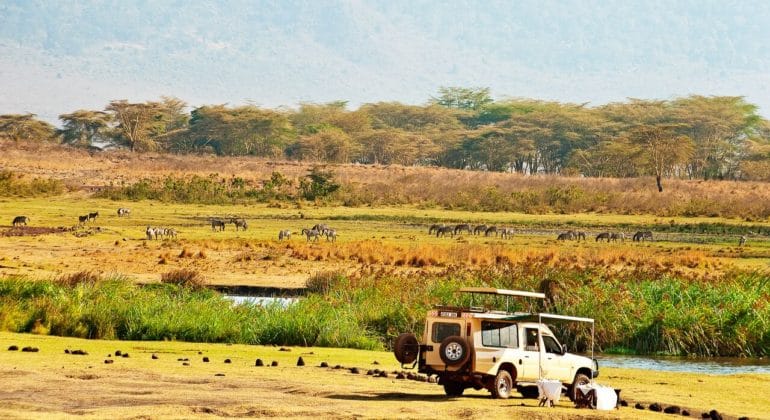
(694, 137)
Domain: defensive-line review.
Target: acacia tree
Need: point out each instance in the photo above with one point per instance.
(84, 127)
(462, 98)
(665, 149)
(326, 145)
(134, 123)
(25, 127)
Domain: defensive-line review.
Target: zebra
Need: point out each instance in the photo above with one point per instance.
(442, 231)
(603, 236)
(20, 220)
(311, 233)
(564, 236)
(490, 230)
(93, 216)
(506, 233)
(742, 240)
(170, 232)
(581, 235)
(123, 212)
(478, 230)
(462, 227)
(320, 227)
(150, 232)
(217, 224)
(642, 236)
(331, 235)
(434, 228)
(614, 236)
(284, 234)
(239, 223)
(82, 219)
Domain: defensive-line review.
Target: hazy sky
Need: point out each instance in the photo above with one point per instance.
(58, 56)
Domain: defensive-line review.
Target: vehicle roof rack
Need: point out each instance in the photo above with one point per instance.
(553, 317)
(502, 292)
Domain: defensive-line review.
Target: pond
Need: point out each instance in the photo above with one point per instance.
(260, 300)
(713, 365)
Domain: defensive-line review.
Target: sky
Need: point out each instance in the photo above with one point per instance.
(57, 57)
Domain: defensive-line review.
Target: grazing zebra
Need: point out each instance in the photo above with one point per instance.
(442, 231)
(434, 228)
(123, 212)
(742, 240)
(82, 219)
(171, 233)
(490, 230)
(331, 235)
(462, 227)
(217, 224)
(93, 216)
(311, 233)
(642, 236)
(564, 236)
(580, 235)
(603, 236)
(150, 232)
(478, 230)
(20, 220)
(506, 233)
(320, 227)
(239, 223)
(614, 236)
(284, 234)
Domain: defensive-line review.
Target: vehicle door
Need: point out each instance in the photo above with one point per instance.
(555, 365)
(528, 363)
(498, 341)
(438, 331)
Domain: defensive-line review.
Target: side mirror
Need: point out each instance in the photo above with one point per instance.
(563, 349)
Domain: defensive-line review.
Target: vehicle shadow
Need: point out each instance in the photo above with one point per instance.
(403, 396)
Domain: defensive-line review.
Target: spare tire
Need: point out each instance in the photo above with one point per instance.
(406, 348)
(454, 350)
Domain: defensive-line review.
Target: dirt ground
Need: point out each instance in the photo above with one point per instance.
(52, 384)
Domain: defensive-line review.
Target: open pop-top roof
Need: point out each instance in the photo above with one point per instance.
(502, 292)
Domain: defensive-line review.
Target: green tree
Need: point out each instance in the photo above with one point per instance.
(83, 128)
(25, 127)
(462, 98)
(319, 183)
(326, 145)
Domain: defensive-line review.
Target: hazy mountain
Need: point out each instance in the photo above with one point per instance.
(56, 56)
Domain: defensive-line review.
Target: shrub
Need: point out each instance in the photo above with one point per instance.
(183, 277)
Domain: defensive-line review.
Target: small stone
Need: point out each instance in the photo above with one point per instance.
(743, 418)
(259, 362)
(227, 361)
(656, 407)
(370, 372)
(200, 352)
(284, 349)
(324, 365)
(154, 356)
(30, 349)
(118, 353)
(623, 403)
(354, 370)
(66, 351)
(383, 374)
(672, 409)
(205, 359)
(715, 415)
(219, 374)
(125, 355)
(639, 406)
(685, 413)
(108, 361)
(375, 362)
(13, 348)
(79, 352)
(400, 376)
(300, 362)
(337, 367)
(185, 363)
(274, 363)
(180, 360)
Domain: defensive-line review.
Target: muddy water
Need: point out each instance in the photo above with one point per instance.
(713, 366)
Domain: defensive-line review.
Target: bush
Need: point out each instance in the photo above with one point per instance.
(12, 185)
(184, 278)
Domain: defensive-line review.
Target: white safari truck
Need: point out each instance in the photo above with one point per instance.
(475, 347)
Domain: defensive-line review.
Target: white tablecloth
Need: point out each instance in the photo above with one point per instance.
(549, 389)
(606, 398)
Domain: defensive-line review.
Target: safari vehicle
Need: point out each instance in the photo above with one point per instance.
(476, 347)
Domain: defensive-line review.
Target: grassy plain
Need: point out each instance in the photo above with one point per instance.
(67, 385)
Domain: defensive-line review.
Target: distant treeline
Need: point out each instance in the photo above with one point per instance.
(695, 137)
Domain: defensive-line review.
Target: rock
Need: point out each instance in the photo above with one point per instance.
(125, 354)
(79, 352)
(13, 348)
(185, 363)
(624, 403)
(66, 351)
(30, 349)
(354, 370)
(337, 367)
(274, 363)
(639, 406)
(205, 359)
(324, 365)
(284, 349)
(705, 415)
(383, 374)
(108, 361)
(375, 362)
(300, 361)
(743, 418)
(685, 413)
(656, 407)
(672, 409)
(200, 352)
(259, 362)
(400, 376)
(118, 353)
(219, 374)
(715, 415)
(370, 372)
(227, 361)
(154, 356)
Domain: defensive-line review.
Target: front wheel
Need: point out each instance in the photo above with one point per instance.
(503, 385)
(453, 389)
(580, 379)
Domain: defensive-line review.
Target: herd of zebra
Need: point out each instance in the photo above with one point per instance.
(219, 224)
(160, 233)
(313, 234)
(640, 236)
(442, 230)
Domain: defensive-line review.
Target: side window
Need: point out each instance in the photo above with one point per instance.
(551, 346)
(442, 330)
(532, 340)
(499, 334)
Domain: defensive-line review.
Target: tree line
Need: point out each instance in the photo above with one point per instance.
(694, 137)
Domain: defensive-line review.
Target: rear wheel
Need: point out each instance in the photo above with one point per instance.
(503, 385)
(453, 389)
(580, 379)
(454, 350)
(406, 348)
